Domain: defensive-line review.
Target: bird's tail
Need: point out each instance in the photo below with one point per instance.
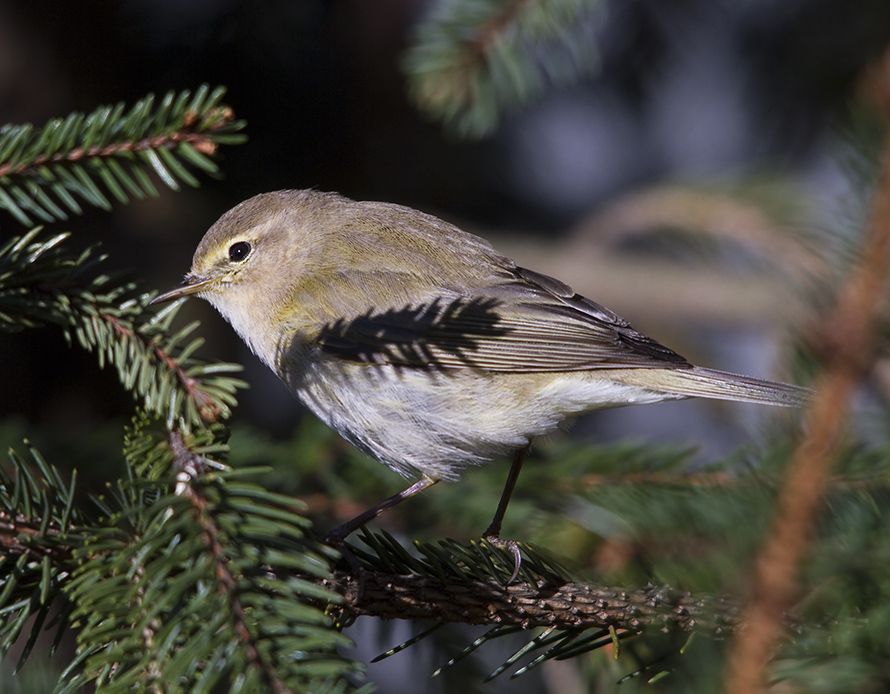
(699, 382)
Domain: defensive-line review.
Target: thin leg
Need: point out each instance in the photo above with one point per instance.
(341, 532)
(492, 534)
(494, 528)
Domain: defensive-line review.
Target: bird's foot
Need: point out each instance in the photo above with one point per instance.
(338, 542)
(337, 536)
(511, 546)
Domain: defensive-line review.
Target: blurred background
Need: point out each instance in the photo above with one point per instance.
(694, 180)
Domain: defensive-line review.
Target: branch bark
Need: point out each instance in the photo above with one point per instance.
(564, 605)
(568, 605)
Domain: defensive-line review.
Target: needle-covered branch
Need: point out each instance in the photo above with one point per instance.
(47, 172)
(450, 582)
(39, 524)
(204, 556)
(200, 577)
(189, 466)
(471, 60)
(43, 282)
(570, 605)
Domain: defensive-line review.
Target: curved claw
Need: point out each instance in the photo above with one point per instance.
(513, 547)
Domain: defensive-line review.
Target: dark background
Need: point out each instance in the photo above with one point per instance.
(695, 91)
(688, 93)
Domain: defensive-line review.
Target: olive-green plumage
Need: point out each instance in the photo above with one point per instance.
(420, 343)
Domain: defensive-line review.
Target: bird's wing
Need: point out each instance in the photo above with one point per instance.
(521, 322)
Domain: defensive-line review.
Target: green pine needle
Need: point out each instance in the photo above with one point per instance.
(38, 522)
(47, 172)
(470, 60)
(43, 282)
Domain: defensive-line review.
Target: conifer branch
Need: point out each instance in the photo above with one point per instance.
(489, 32)
(225, 538)
(39, 523)
(570, 605)
(149, 631)
(850, 338)
(201, 141)
(548, 601)
(470, 60)
(17, 534)
(450, 582)
(189, 466)
(170, 381)
(42, 282)
(109, 153)
(198, 562)
(567, 604)
(201, 399)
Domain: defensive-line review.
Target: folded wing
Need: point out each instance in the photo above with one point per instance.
(522, 322)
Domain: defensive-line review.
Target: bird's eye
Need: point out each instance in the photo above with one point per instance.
(238, 251)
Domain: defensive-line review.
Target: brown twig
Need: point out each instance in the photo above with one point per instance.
(206, 406)
(20, 535)
(850, 333)
(568, 605)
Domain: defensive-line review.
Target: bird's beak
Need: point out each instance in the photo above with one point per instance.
(192, 284)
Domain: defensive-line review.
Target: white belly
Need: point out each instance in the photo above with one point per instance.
(436, 423)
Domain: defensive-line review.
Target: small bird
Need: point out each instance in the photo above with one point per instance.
(421, 344)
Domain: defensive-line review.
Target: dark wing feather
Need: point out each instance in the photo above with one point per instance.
(526, 323)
